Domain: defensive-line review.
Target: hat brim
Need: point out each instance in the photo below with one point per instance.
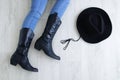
(94, 38)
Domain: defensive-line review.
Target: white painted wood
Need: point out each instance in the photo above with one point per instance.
(81, 61)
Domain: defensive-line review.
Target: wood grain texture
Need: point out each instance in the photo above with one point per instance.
(81, 61)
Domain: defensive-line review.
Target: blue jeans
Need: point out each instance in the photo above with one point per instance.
(37, 9)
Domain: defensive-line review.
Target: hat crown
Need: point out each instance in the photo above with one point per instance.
(97, 23)
(94, 25)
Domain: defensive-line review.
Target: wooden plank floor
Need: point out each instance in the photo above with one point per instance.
(81, 61)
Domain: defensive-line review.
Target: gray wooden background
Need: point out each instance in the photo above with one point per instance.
(81, 61)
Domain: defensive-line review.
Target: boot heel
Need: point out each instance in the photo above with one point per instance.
(37, 47)
(38, 44)
(14, 60)
(13, 63)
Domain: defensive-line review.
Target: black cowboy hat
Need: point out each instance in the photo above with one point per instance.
(94, 25)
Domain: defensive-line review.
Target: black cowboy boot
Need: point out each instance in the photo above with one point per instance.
(21, 53)
(45, 41)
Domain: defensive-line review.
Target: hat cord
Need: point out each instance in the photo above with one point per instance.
(68, 41)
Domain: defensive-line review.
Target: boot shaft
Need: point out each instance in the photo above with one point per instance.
(25, 39)
(52, 26)
(26, 36)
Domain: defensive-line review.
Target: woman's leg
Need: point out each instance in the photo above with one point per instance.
(20, 56)
(53, 23)
(60, 7)
(37, 9)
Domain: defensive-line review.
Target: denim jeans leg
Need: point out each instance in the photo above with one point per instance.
(37, 9)
(60, 7)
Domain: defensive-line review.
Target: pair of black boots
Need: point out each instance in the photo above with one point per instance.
(44, 42)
